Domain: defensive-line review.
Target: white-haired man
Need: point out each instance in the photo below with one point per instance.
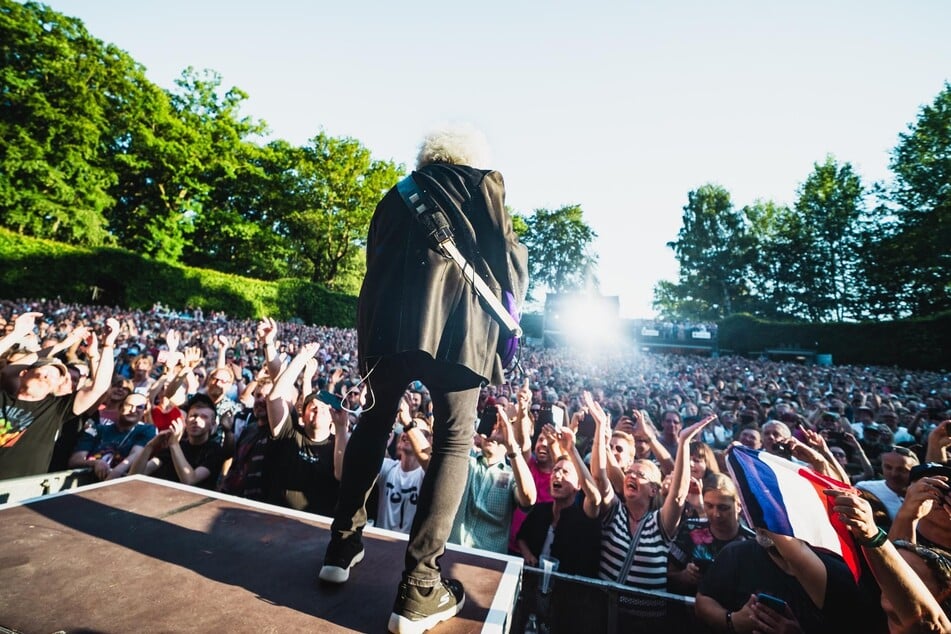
(418, 318)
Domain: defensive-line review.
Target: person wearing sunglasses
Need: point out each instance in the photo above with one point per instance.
(109, 447)
(897, 463)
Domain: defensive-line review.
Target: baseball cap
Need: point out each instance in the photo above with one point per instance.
(50, 361)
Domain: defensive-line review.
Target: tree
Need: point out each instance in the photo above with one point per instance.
(558, 243)
(714, 250)
(829, 236)
(181, 147)
(910, 271)
(329, 190)
(63, 92)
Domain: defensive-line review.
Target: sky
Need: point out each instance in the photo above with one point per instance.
(620, 107)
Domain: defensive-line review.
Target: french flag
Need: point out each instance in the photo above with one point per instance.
(785, 498)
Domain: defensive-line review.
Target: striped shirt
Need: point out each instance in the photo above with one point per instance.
(648, 570)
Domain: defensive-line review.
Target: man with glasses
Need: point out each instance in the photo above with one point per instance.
(897, 463)
(108, 447)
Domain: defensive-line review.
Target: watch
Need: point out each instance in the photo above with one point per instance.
(410, 425)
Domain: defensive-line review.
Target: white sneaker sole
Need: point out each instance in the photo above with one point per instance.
(402, 625)
(336, 574)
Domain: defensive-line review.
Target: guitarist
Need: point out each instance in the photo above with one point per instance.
(419, 318)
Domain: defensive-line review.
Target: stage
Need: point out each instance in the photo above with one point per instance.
(144, 555)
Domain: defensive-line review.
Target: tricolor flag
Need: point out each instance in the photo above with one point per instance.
(786, 498)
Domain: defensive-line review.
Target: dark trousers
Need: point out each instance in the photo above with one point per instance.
(455, 394)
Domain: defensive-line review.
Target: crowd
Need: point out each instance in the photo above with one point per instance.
(624, 476)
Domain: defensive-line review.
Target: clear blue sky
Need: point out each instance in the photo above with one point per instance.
(622, 107)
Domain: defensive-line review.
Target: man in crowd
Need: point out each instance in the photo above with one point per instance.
(494, 489)
(184, 452)
(247, 474)
(33, 416)
(401, 478)
(108, 447)
(308, 448)
(897, 463)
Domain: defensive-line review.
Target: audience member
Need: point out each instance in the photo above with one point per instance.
(184, 452)
(109, 448)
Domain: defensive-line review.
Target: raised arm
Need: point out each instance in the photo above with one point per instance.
(910, 598)
(284, 391)
(88, 396)
(646, 426)
(565, 439)
(599, 457)
(267, 333)
(673, 507)
(525, 493)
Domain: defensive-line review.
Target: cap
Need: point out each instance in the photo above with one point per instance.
(49, 361)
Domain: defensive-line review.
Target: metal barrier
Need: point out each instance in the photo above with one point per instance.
(19, 489)
(565, 603)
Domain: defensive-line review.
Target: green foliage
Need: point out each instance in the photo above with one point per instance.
(332, 187)
(909, 273)
(914, 343)
(61, 91)
(714, 250)
(559, 249)
(33, 267)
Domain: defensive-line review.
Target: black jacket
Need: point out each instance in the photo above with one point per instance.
(415, 299)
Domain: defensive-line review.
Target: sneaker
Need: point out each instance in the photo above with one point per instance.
(341, 556)
(415, 612)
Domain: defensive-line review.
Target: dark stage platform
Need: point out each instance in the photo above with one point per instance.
(142, 555)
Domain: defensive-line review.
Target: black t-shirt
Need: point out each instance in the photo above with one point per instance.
(207, 454)
(250, 466)
(744, 567)
(576, 543)
(302, 471)
(28, 432)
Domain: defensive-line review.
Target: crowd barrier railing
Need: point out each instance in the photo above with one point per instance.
(557, 603)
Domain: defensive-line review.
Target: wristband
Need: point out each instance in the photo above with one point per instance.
(729, 621)
(513, 454)
(880, 538)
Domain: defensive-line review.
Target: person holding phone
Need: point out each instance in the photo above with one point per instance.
(809, 590)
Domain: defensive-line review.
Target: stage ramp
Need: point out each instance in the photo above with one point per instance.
(144, 555)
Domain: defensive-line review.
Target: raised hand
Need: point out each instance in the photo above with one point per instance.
(173, 339)
(112, 332)
(176, 430)
(855, 512)
(267, 330)
(24, 324)
(688, 433)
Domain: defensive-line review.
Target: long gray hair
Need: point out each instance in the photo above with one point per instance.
(457, 144)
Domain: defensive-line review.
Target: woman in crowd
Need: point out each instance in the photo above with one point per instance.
(638, 527)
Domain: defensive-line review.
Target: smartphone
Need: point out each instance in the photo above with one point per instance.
(837, 437)
(487, 421)
(557, 416)
(330, 399)
(773, 603)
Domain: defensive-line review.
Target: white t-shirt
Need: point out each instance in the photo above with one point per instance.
(879, 489)
(399, 494)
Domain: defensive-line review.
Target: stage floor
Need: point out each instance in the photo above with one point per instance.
(143, 555)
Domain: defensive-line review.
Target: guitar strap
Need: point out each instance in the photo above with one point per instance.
(434, 221)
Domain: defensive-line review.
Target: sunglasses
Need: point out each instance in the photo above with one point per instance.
(902, 451)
